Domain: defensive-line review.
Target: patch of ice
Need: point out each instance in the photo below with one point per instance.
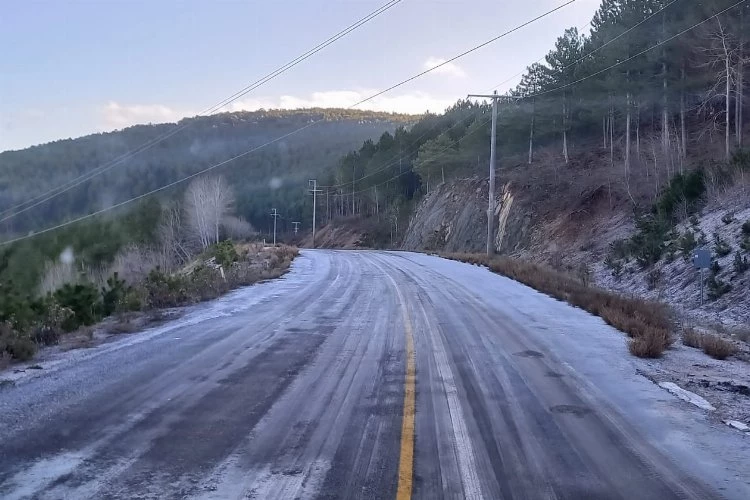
(737, 425)
(685, 395)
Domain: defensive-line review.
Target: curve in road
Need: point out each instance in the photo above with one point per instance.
(363, 375)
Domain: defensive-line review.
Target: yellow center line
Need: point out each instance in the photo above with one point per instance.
(406, 462)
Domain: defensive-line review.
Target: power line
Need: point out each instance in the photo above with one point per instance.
(280, 138)
(518, 74)
(467, 52)
(400, 156)
(619, 63)
(437, 156)
(597, 49)
(440, 154)
(52, 193)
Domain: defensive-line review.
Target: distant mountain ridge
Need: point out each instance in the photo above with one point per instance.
(205, 140)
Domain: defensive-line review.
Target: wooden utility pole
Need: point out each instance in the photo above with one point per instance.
(313, 189)
(296, 227)
(491, 207)
(275, 214)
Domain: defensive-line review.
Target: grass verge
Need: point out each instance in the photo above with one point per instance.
(648, 324)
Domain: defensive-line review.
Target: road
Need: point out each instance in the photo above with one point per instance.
(363, 375)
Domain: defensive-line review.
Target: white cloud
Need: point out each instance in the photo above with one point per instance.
(413, 102)
(115, 115)
(450, 69)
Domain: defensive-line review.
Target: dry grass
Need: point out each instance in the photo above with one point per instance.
(717, 347)
(5, 360)
(742, 334)
(648, 324)
(124, 326)
(692, 338)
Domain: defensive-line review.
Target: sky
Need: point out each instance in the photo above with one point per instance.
(77, 67)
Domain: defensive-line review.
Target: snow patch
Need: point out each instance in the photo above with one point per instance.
(737, 425)
(688, 396)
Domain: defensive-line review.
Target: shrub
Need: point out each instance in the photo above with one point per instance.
(15, 344)
(717, 287)
(647, 244)
(721, 247)
(715, 267)
(687, 244)
(741, 263)
(224, 252)
(702, 241)
(692, 338)
(653, 278)
(52, 318)
(618, 249)
(113, 295)
(746, 228)
(651, 345)
(164, 290)
(21, 348)
(83, 300)
(614, 265)
(727, 218)
(717, 347)
(683, 188)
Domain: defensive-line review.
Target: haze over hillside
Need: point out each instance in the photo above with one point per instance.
(198, 143)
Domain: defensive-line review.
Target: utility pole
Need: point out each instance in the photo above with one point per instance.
(313, 189)
(354, 173)
(296, 227)
(491, 207)
(275, 214)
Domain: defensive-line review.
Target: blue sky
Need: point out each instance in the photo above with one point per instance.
(74, 67)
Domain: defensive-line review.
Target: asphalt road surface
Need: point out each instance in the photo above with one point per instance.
(363, 375)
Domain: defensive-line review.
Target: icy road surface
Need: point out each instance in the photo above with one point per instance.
(364, 375)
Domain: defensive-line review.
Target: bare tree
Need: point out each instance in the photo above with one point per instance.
(207, 201)
(721, 53)
(237, 228)
(172, 235)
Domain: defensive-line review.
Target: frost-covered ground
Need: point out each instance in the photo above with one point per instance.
(726, 383)
(679, 283)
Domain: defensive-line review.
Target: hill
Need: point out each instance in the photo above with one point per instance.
(198, 143)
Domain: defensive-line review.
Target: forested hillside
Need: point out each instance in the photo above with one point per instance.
(655, 89)
(198, 143)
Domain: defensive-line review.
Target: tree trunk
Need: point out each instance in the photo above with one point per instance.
(604, 129)
(611, 133)
(738, 121)
(664, 114)
(565, 128)
(627, 138)
(729, 90)
(638, 131)
(531, 132)
(683, 130)
(727, 97)
(442, 173)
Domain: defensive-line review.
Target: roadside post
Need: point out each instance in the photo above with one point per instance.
(701, 261)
